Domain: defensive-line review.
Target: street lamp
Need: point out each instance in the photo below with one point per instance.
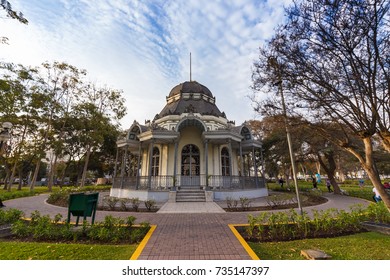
(273, 62)
(4, 137)
(4, 134)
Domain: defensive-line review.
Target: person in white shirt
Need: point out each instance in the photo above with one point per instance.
(376, 196)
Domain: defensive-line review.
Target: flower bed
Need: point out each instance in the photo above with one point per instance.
(283, 226)
(110, 231)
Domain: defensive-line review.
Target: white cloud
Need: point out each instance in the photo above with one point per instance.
(143, 47)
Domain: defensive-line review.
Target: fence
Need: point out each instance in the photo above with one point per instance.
(212, 182)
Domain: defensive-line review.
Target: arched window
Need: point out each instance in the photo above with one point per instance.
(246, 133)
(190, 160)
(225, 162)
(155, 161)
(133, 133)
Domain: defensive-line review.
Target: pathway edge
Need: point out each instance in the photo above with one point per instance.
(244, 244)
(143, 243)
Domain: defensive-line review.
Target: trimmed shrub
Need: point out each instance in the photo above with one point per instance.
(9, 216)
(135, 202)
(280, 226)
(150, 204)
(111, 230)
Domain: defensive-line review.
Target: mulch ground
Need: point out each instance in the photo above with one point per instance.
(310, 201)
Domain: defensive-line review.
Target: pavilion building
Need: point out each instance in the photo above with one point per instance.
(190, 151)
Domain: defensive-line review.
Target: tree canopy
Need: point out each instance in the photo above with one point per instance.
(12, 14)
(58, 116)
(332, 58)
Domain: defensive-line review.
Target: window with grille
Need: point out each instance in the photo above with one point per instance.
(155, 161)
(225, 162)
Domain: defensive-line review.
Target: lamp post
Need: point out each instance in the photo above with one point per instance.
(4, 134)
(274, 64)
(4, 137)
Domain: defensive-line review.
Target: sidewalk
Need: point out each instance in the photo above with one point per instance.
(183, 232)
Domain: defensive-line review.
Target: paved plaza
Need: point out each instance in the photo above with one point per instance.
(197, 231)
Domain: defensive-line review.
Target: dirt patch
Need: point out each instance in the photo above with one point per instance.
(310, 201)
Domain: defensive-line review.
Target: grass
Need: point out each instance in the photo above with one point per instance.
(352, 188)
(12, 250)
(361, 246)
(25, 191)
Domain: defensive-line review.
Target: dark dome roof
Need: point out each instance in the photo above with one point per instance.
(188, 104)
(190, 87)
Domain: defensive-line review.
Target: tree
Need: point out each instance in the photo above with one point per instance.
(59, 85)
(101, 106)
(271, 130)
(333, 60)
(12, 14)
(16, 106)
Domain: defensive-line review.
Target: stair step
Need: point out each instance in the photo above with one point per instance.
(190, 192)
(190, 195)
(190, 200)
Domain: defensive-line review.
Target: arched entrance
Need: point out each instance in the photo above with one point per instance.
(190, 166)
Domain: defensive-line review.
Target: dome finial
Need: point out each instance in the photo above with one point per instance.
(190, 69)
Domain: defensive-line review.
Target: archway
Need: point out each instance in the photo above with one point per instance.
(190, 165)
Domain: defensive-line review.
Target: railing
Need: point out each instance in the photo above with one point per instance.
(164, 183)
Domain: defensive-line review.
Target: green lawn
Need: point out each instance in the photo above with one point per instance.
(59, 251)
(361, 246)
(351, 187)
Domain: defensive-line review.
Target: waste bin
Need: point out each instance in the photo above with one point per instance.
(82, 205)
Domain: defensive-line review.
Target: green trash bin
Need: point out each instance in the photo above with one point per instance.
(82, 205)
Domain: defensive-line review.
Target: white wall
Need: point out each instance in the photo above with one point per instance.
(253, 193)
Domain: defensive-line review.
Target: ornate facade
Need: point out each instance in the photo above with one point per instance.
(189, 145)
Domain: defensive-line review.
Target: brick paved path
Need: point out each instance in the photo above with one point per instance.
(193, 237)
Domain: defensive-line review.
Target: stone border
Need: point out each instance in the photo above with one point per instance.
(382, 228)
(244, 244)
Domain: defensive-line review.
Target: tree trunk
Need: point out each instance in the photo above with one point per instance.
(303, 171)
(12, 178)
(85, 170)
(6, 182)
(7, 175)
(341, 173)
(369, 166)
(318, 167)
(20, 178)
(52, 172)
(385, 136)
(17, 156)
(36, 171)
(330, 170)
(64, 172)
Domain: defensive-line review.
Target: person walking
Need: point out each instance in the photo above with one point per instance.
(281, 181)
(314, 181)
(328, 185)
(377, 196)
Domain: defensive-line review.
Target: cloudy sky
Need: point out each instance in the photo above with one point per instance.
(142, 47)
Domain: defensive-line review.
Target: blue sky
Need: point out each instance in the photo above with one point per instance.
(142, 47)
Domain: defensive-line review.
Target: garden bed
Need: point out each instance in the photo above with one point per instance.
(289, 225)
(275, 204)
(269, 235)
(40, 228)
(106, 203)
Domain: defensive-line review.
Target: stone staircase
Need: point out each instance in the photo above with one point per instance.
(190, 194)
